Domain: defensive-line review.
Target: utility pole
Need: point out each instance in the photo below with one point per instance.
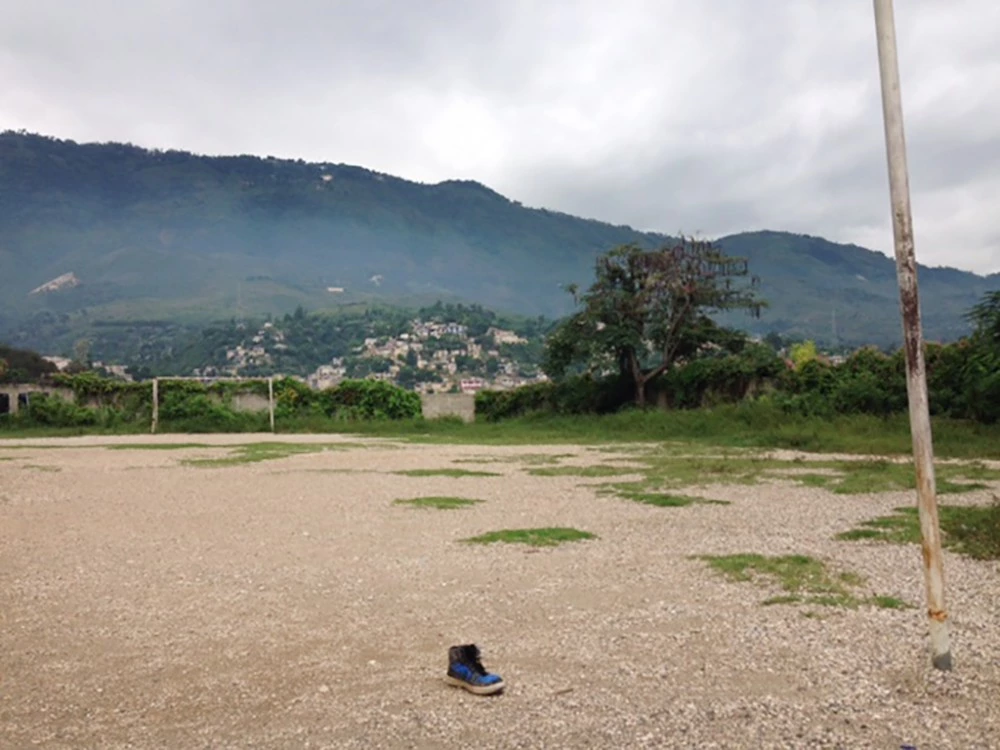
(916, 376)
(239, 305)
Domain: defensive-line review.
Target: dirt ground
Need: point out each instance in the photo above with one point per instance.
(148, 603)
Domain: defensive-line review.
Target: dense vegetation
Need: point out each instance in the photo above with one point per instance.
(191, 406)
(180, 241)
(963, 380)
(868, 382)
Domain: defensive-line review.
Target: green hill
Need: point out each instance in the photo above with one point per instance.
(846, 294)
(173, 236)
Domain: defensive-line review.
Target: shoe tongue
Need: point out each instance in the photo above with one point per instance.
(472, 655)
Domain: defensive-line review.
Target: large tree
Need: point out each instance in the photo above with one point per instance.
(647, 308)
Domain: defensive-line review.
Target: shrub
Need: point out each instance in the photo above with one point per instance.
(869, 382)
(981, 375)
(291, 397)
(54, 411)
(580, 394)
(727, 378)
(177, 406)
(369, 399)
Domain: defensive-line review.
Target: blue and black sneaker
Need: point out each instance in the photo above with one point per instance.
(466, 671)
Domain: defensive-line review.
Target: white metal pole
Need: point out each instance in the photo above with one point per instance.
(270, 401)
(916, 377)
(156, 405)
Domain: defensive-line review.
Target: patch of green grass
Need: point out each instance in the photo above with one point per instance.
(856, 534)
(637, 492)
(805, 580)
(662, 474)
(689, 471)
(972, 530)
(855, 477)
(664, 500)
(668, 447)
(753, 424)
(900, 528)
(158, 446)
(546, 537)
(36, 447)
(890, 602)
(446, 473)
(812, 480)
(22, 431)
(594, 470)
(663, 470)
(440, 503)
(40, 467)
(534, 459)
(254, 452)
(794, 572)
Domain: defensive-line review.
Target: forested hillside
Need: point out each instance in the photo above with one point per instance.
(174, 240)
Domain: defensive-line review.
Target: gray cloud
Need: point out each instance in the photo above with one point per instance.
(717, 116)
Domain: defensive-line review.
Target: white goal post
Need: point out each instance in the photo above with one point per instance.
(154, 422)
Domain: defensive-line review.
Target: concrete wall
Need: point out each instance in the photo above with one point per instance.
(13, 390)
(249, 402)
(436, 405)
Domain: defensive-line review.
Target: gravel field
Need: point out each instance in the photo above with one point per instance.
(288, 603)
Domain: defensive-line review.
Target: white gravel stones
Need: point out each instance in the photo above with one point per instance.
(148, 604)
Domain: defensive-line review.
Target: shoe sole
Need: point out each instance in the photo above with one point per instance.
(496, 687)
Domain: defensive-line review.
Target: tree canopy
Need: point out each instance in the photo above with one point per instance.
(23, 365)
(647, 308)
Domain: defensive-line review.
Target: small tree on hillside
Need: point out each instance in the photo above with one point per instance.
(802, 352)
(647, 308)
(985, 316)
(981, 368)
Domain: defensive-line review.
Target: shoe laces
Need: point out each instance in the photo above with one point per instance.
(474, 662)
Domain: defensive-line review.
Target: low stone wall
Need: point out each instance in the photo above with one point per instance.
(435, 405)
(15, 390)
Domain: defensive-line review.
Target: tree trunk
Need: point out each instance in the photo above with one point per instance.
(638, 379)
(641, 379)
(640, 392)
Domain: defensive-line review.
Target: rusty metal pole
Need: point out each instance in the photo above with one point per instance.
(916, 377)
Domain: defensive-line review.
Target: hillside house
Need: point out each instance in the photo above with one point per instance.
(471, 385)
(503, 336)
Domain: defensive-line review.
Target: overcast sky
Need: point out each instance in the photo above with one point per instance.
(715, 116)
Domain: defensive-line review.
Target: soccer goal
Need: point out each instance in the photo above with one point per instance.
(154, 422)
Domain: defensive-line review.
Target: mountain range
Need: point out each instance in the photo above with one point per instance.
(106, 233)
